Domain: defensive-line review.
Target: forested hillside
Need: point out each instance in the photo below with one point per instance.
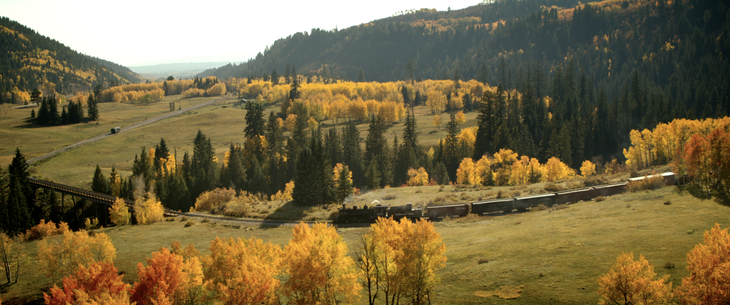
(676, 47)
(31, 61)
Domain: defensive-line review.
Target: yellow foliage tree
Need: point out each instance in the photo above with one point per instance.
(63, 256)
(460, 118)
(400, 259)
(436, 101)
(709, 267)
(632, 282)
(286, 194)
(119, 213)
(437, 121)
(417, 177)
(243, 271)
(557, 170)
(291, 122)
(12, 254)
(149, 210)
(467, 173)
(318, 267)
(587, 169)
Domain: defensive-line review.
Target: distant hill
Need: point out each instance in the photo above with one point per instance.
(32, 61)
(177, 70)
(676, 47)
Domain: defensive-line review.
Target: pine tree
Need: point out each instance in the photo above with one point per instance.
(92, 107)
(142, 167)
(360, 76)
(238, 179)
(18, 217)
(305, 181)
(344, 184)
(99, 184)
(334, 148)
(451, 150)
(258, 182)
(203, 168)
(255, 124)
(324, 169)
(352, 153)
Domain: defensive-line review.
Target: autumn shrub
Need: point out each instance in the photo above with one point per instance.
(552, 188)
(600, 198)
(243, 271)
(119, 213)
(168, 277)
(91, 223)
(44, 229)
(97, 284)
(211, 200)
(318, 268)
(62, 256)
(539, 207)
(286, 194)
(633, 282)
(189, 223)
(709, 267)
(648, 183)
(593, 181)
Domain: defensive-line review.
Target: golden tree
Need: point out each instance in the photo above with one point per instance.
(417, 177)
(437, 121)
(119, 213)
(318, 267)
(632, 282)
(243, 271)
(709, 267)
(467, 173)
(12, 255)
(587, 169)
(64, 256)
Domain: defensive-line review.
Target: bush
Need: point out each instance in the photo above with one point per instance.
(600, 198)
(539, 207)
(212, 200)
(552, 187)
(593, 181)
(648, 183)
(482, 260)
(44, 229)
(189, 223)
(390, 197)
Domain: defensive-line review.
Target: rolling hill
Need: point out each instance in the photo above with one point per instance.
(32, 61)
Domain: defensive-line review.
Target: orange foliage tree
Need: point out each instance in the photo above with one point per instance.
(97, 284)
(318, 268)
(709, 267)
(632, 282)
(417, 177)
(167, 278)
(243, 271)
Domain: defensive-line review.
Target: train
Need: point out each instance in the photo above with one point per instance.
(368, 214)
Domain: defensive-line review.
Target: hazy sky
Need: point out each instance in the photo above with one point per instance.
(137, 32)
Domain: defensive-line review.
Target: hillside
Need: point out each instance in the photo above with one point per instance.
(32, 61)
(677, 48)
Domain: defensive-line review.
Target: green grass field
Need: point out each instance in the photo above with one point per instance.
(552, 256)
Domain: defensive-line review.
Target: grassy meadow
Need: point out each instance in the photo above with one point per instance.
(221, 122)
(545, 257)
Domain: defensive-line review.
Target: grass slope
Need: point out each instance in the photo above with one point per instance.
(551, 256)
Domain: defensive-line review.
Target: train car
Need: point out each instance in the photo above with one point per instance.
(525, 202)
(496, 205)
(612, 189)
(585, 194)
(668, 178)
(361, 215)
(116, 130)
(407, 211)
(441, 211)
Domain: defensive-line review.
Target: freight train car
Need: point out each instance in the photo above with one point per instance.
(585, 194)
(526, 202)
(611, 189)
(452, 210)
(505, 205)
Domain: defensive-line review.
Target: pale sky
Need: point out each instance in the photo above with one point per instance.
(139, 32)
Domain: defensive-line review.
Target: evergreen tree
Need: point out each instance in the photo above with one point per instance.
(326, 185)
(360, 76)
(274, 135)
(352, 153)
(18, 217)
(142, 166)
(440, 174)
(334, 148)
(92, 107)
(258, 182)
(236, 172)
(372, 176)
(255, 124)
(451, 158)
(306, 191)
(344, 184)
(376, 149)
(99, 183)
(203, 170)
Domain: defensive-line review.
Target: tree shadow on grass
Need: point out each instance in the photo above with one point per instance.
(699, 192)
(290, 212)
